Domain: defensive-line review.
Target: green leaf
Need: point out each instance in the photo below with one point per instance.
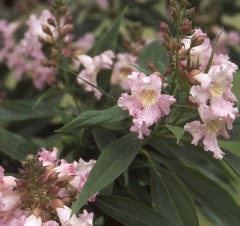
(109, 39)
(18, 110)
(95, 118)
(155, 53)
(177, 131)
(15, 146)
(53, 90)
(233, 161)
(171, 198)
(210, 194)
(113, 161)
(131, 213)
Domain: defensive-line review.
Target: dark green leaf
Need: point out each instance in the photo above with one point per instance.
(15, 146)
(233, 161)
(177, 131)
(113, 161)
(171, 198)
(23, 110)
(131, 213)
(96, 118)
(155, 53)
(210, 194)
(109, 39)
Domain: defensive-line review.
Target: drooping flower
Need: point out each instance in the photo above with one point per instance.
(92, 67)
(146, 104)
(64, 214)
(216, 88)
(209, 130)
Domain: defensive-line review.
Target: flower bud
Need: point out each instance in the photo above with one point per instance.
(151, 66)
(36, 212)
(173, 46)
(66, 30)
(198, 40)
(165, 36)
(168, 71)
(51, 22)
(57, 203)
(186, 27)
(185, 3)
(53, 189)
(165, 28)
(173, 12)
(191, 76)
(46, 29)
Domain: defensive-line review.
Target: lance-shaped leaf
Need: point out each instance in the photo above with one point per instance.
(154, 53)
(177, 131)
(233, 161)
(95, 118)
(18, 110)
(210, 194)
(131, 213)
(113, 161)
(109, 39)
(171, 198)
(15, 146)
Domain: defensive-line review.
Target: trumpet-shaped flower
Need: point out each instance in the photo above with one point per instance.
(146, 104)
(92, 67)
(216, 88)
(209, 130)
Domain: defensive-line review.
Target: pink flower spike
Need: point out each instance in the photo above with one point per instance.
(146, 104)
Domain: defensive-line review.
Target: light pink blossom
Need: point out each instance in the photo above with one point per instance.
(122, 69)
(50, 223)
(33, 220)
(92, 67)
(216, 88)
(146, 104)
(209, 130)
(199, 55)
(64, 214)
(65, 170)
(48, 158)
(6, 181)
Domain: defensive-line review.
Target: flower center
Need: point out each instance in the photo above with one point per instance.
(214, 126)
(217, 90)
(124, 72)
(148, 97)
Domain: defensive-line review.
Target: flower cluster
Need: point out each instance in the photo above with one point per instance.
(146, 104)
(45, 192)
(211, 92)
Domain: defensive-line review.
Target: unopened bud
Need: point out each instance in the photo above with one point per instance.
(66, 30)
(57, 203)
(151, 66)
(66, 201)
(198, 40)
(172, 10)
(165, 28)
(54, 53)
(190, 12)
(168, 71)
(46, 29)
(173, 46)
(191, 76)
(36, 212)
(68, 19)
(52, 177)
(53, 189)
(186, 27)
(48, 63)
(184, 3)
(51, 22)
(165, 36)
(172, 3)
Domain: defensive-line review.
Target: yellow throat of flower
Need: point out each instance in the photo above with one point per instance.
(148, 97)
(214, 126)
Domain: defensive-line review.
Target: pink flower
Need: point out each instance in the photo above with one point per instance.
(216, 87)
(84, 43)
(50, 223)
(102, 4)
(82, 170)
(17, 217)
(84, 219)
(146, 104)
(33, 220)
(209, 130)
(48, 158)
(65, 170)
(199, 54)
(6, 181)
(92, 67)
(122, 69)
(9, 200)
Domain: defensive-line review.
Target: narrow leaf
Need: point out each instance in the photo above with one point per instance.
(172, 199)
(233, 161)
(15, 146)
(96, 118)
(109, 39)
(113, 161)
(177, 131)
(131, 213)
